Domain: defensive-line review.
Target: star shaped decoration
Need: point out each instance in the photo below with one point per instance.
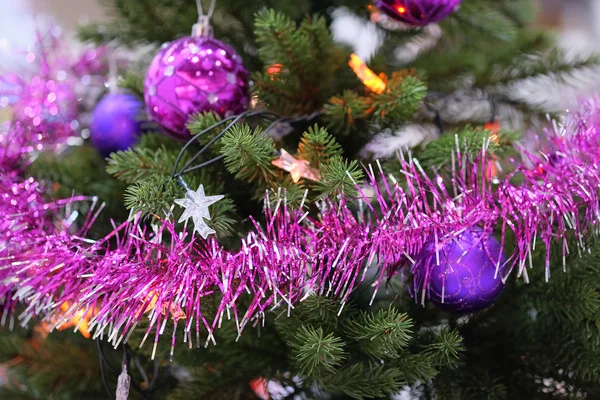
(196, 207)
(297, 168)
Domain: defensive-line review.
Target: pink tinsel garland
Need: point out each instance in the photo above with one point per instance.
(131, 274)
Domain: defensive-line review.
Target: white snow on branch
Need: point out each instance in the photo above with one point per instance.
(363, 36)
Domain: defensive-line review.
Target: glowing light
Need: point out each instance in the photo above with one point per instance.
(366, 75)
(80, 320)
(401, 9)
(494, 128)
(274, 69)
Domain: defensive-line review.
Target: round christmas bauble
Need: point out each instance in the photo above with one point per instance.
(47, 107)
(465, 279)
(116, 123)
(191, 75)
(418, 12)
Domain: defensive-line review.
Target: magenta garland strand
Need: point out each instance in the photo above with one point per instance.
(132, 274)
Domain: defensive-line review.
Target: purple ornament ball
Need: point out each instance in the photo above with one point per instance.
(465, 280)
(116, 123)
(418, 12)
(191, 75)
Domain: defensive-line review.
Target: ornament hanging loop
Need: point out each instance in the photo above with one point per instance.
(202, 27)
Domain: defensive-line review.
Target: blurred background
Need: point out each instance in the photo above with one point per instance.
(575, 20)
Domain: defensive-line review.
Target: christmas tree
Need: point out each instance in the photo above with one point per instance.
(266, 209)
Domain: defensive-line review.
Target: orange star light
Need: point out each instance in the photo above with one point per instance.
(297, 168)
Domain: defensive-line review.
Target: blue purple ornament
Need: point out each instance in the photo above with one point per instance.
(463, 273)
(192, 75)
(116, 123)
(417, 12)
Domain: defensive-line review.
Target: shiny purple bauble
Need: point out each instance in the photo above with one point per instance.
(116, 123)
(417, 12)
(466, 277)
(192, 75)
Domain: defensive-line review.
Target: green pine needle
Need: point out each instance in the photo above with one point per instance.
(152, 195)
(400, 101)
(318, 146)
(447, 348)
(248, 154)
(140, 163)
(383, 334)
(339, 176)
(344, 110)
(438, 153)
(361, 381)
(316, 352)
(200, 123)
(308, 60)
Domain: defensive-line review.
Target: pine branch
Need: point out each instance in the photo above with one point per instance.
(140, 163)
(416, 367)
(446, 349)
(314, 311)
(478, 22)
(343, 111)
(315, 352)
(287, 190)
(554, 63)
(471, 141)
(152, 195)
(335, 179)
(248, 154)
(155, 195)
(381, 335)
(360, 381)
(199, 123)
(306, 58)
(318, 146)
(133, 81)
(399, 102)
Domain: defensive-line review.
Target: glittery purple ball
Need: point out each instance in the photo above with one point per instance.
(466, 277)
(191, 75)
(116, 123)
(418, 12)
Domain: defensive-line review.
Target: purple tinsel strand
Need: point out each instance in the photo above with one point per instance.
(163, 275)
(43, 105)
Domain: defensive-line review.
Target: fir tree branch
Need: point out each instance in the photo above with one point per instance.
(399, 102)
(140, 163)
(339, 176)
(133, 81)
(381, 335)
(315, 352)
(306, 58)
(471, 141)
(361, 381)
(318, 146)
(343, 111)
(248, 154)
(554, 63)
(446, 348)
